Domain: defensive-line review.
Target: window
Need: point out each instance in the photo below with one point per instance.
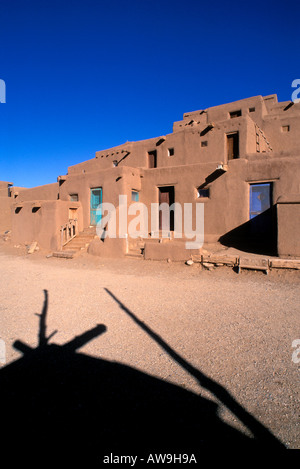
(251, 109)
(74, 197)
(202, 193)
(235, 114)
(134, 196)
(204, 143)
(232, 145)
(285, 128)
(171, 152)
(115, 163)
(260, 198)
(152, 159)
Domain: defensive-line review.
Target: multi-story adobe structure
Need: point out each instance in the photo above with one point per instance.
(241, 160)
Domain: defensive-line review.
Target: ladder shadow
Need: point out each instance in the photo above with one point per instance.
(260, 433)
(61, 406)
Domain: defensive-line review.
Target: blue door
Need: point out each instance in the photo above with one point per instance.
(96, 209)
(260, 199)
(260, 213)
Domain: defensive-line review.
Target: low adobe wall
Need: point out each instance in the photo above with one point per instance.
(41, 222)
(175, 251)
(109, 248)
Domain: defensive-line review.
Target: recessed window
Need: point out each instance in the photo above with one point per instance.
(202, 193)
(115, 163)
(232, 145)
(152, 159)
(285, 128)
(171, 152)
(74, 197)
(134, 196)
(235, 114)
(204, 143)
(251, 109)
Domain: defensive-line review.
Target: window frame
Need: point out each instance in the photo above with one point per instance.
(205, 190)
(234, 114)
(134, 191)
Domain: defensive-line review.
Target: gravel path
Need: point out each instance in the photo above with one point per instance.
(236, 329)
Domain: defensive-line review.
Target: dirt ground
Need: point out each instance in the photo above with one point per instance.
(236, 329)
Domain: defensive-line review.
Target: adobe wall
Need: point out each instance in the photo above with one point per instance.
(5, 206)
(285, 142)
(41, 222)
(175, 251)
(283, 172)
(192, 145)
(5, 185)
(15, 191)
(110, 248)
(225, 209)
(288, 215)
(114, 181)
(4, 192)
(259, 126)
(228, 204)
(268, 152)
(254, 107)
(5, 214)
(220, 213)
(46, 192)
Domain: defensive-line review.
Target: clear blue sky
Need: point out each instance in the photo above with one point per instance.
(86, 75)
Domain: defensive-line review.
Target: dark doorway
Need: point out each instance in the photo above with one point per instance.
(259, 233)
(152, 159)
(232, 146)
(166, 217)
(260, 202)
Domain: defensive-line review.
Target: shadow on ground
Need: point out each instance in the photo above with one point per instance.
(62, 406)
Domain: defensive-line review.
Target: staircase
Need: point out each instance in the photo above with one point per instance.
(135, 248)
(78, 244)
(82, 240)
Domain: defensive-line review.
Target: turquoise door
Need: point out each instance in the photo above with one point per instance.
(96, 210)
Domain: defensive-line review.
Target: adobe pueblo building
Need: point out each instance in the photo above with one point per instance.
(240, 160)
